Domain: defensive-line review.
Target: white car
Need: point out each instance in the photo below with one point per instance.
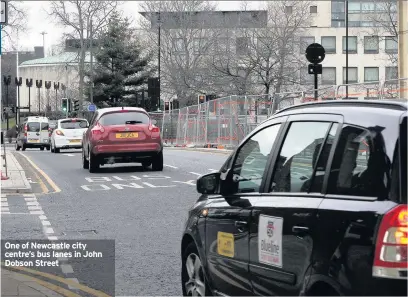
(68, 134)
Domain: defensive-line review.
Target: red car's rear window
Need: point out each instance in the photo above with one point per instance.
(120, 118)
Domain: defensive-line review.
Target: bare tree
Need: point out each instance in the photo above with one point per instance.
(17, 22)
(185, 40)
(78, 16)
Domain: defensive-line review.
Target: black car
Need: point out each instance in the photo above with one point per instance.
(313, 202)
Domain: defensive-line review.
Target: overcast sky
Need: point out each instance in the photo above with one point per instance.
(38, 21)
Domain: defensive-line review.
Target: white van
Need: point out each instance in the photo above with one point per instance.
(33, 133)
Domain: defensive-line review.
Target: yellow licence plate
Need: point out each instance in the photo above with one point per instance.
(33, 140)
(127, 135)
(75, 140)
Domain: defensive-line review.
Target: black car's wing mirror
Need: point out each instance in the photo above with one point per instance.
(209, 183)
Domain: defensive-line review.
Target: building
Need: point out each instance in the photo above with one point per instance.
(9, 67)
(372, 48)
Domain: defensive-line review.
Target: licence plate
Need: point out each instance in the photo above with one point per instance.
(127, 135)
(75, 140)
(33, 140)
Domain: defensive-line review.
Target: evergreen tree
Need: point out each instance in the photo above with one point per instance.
(120, 68)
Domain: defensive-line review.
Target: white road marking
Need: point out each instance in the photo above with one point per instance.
(195, 173)
(46, 223)
(174, 167)
(69, 155)
(73, 280)
(190, 182)
(66, 268)
(55, 238)
(212, 169)
(48, 230)
(30, 199)
(42, 217)
(6, 209)
(37, 207)
(34, 203)
(4, 204)
(37, 212)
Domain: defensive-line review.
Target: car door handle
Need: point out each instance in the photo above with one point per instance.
(241, 225)
(300, 231)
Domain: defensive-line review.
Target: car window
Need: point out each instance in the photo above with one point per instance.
(298, 156)
(251, 160)
(356, 170)
(94, 117)
(72, 124)
(44, 126)
(121, 118)
(33, 127)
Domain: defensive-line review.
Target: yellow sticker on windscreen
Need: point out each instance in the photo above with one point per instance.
(225, 244)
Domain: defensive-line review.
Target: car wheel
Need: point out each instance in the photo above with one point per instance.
(192, 273)
(56, 150)
(52, 148)
(157, 164)
(23, 148)
(17, 147)
(42, 148)
(93, 162)
(85, 162)
(48, 147)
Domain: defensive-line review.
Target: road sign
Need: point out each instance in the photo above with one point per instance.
(3, 13)
(315, 53)
(92, 107)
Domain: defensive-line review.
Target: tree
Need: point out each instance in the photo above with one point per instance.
(85, 19)
(17, 16)
(185, 40)
(121, 69)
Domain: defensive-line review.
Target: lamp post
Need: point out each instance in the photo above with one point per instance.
(19, 82)
(7, 82)
(38, 84)
(47, 85)
(29, 84)
(56, 87)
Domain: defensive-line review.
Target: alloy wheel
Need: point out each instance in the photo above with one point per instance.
(195, 286)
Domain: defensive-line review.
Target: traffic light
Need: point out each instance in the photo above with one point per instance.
(64, 104)
(201, 99)
(166, 105)
(76, 105)
(153, 90)
(210, 97)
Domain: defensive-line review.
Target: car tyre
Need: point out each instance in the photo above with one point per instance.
(93, 162)
(85, 162)
(52, 148)
(23, 148)
(42, 148)
(56, 150)
(157, 164)
(17, 147)
(193, 278)
(48, 147)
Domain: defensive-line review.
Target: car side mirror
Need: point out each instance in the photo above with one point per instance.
(154, 122)
(209, 183)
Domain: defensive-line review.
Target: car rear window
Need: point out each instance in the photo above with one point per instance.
(44, 126)
(33, 127)
(72, 124)
(121, 118)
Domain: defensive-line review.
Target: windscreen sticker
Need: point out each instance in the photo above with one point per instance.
(225, 244)
(270, 240)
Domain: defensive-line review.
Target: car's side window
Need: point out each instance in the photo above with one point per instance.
(93, 119)
(358, 169)
(299, 155)
(252, 158)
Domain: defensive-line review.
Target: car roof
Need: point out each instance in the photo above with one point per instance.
(78, 119)
(344, 105)
(113, 109)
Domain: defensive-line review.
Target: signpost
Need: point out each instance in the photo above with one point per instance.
(92, 107)
(315, 54)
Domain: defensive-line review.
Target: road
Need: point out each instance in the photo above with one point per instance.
(143, 211)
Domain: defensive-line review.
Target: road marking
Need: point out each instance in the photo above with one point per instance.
(198, 174)
(69, 155)
(46, 223)
(63, 280)
(30, 199)
(37, 212)
(37, 207)
(73, 280)
(32, 203)
(4, 199)
(190, 182)
(4, 204)
(214, 170)
(66, 268)
(48, 179)
(174, 167)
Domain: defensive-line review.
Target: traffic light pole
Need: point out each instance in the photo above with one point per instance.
(7, 81)
(18, 82)
(29, 84)
(38, 84)
(56, 87)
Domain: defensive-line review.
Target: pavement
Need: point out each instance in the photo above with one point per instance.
(140, 211)
(17, 181)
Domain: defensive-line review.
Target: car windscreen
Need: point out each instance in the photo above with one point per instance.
(33, 127)
(123, 118)
(73, 124)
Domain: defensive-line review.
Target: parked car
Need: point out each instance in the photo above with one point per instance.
(325, 215)
(122, 135)
(68, 134)
(33, 133)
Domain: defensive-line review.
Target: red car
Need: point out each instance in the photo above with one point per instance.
(122, 135)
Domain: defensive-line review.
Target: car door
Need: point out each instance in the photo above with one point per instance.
(228, 218)
(284, 220)
(86, 135)
(44, 136)
(33, 132)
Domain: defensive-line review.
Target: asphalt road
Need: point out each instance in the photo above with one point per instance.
(143, 211)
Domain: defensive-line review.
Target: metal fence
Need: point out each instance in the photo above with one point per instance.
(226, 121)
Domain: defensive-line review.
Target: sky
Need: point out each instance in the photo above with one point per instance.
(38, 21)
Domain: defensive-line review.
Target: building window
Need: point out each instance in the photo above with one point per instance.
(242, 45)
(288, 9)
(352, 44)
(352, 75)
(371, 74)
(329, 44)
(305, 42)
(371, 44)
(391, 45)
(367, 7)
(313, 9)
(329, 76)
(178, 44)
(391, 73)
(305, 77)
(223, 45)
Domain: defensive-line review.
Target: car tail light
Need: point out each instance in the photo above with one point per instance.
(391, 250)
(49, 132)
(97, 130)
(25, 131)
(154, 129)
(59, 132)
